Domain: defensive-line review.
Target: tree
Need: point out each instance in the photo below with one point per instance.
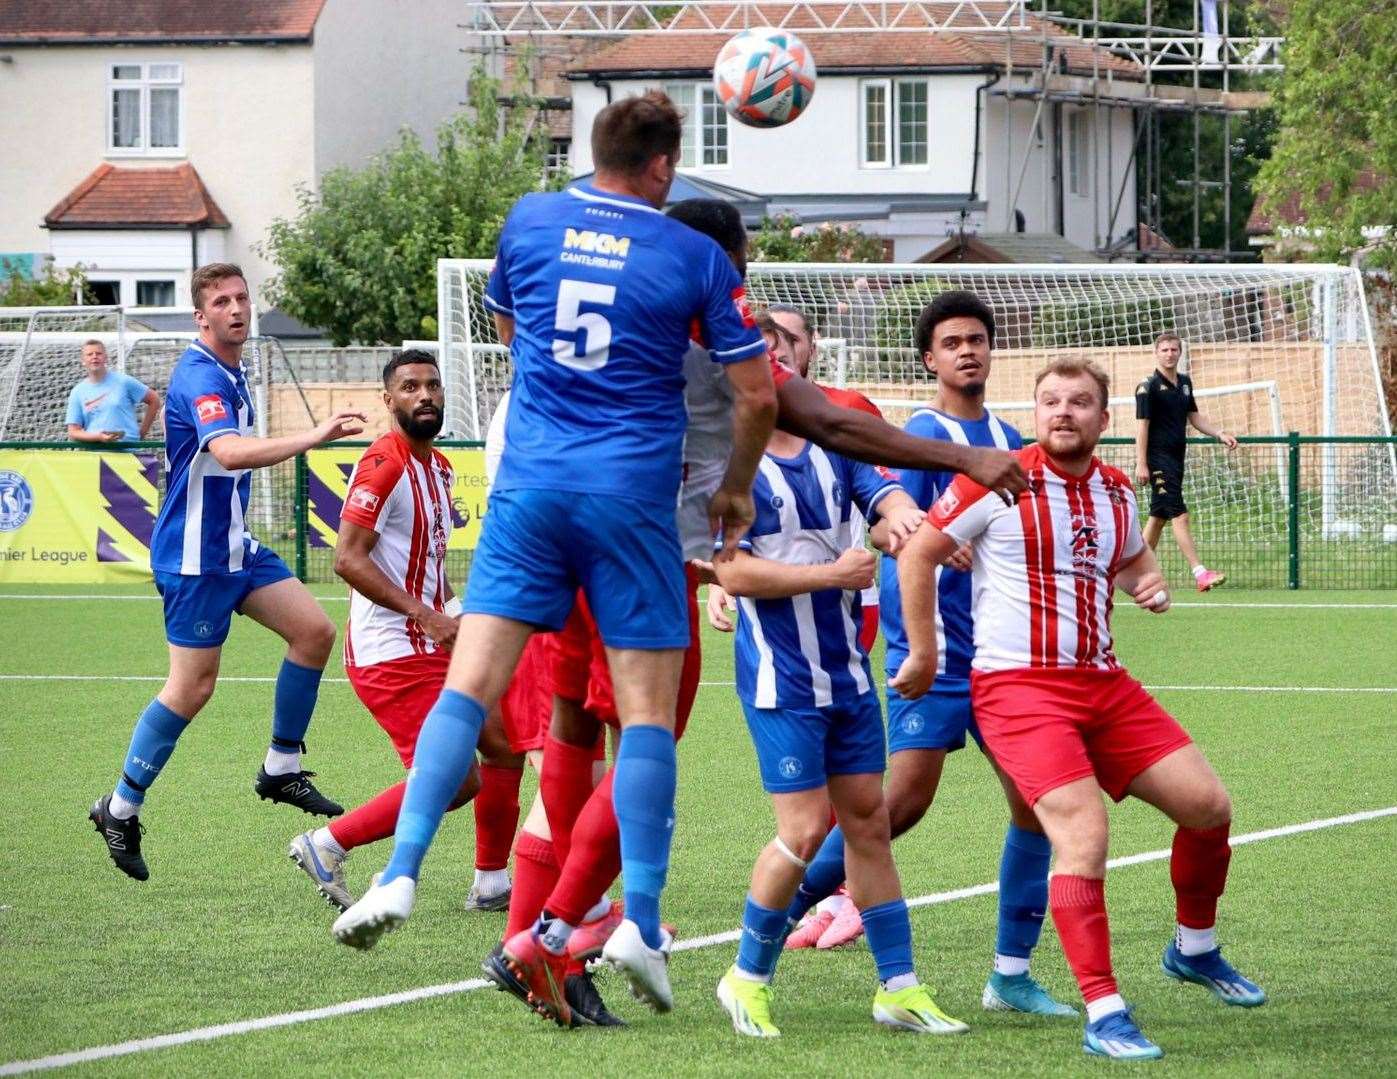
(1335, 157)
(359, 258)
(784, 239)
(51, 288)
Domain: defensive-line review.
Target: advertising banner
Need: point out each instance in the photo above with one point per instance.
(76, 517)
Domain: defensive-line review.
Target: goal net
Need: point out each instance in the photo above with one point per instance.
(1271, 349)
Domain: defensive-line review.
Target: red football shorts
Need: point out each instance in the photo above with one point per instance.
(580, 672)
(1049, 727)
(527, 705)
(399, 693)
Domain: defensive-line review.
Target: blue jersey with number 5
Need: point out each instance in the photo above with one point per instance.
(604, 291)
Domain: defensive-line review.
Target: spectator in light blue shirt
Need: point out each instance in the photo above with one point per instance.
(102, 407)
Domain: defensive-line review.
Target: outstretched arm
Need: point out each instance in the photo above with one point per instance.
(234, 451)
(754, 410)
(807, 412)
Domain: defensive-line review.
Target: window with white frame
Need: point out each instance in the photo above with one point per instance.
(1078, 153)
(145, 109)
(155, 293)
(705, 143)
(895, 122)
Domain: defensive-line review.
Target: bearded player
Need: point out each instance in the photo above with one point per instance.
(391, 551)
(955, 339)
(1059, 713)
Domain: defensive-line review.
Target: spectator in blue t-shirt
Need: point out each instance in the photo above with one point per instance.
(102, 407)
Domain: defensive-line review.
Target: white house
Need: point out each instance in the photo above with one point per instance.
(915, 136)
(141, 139)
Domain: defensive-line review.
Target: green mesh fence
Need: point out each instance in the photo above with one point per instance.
(1292, 512)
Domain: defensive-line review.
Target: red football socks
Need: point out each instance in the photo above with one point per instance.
(370, 822)
(565, 783)
(1079, 912)
(535, 874)
(1198, 868)
(594, 862)
(496, 815)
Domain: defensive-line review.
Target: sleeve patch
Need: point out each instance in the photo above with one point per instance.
(364, 499)
(947, 503)
(744, 309)
(210, 408)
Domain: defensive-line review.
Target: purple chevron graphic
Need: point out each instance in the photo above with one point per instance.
(325, 504)
(106, 549)
(126, 504)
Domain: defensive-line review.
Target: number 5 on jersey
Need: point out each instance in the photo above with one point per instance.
(586, 345)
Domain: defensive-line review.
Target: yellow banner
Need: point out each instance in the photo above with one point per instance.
(327, 480)
(76, 516)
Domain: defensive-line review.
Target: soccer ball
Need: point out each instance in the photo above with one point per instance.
(764, 77)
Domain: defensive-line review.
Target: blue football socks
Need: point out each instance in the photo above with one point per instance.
(152, 742)
(823, 876)
(643, 795)
(763, 934)
(1023, 891)
(296, 690)
(445, 750)
(889, 934)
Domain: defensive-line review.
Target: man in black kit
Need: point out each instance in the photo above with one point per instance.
(1164, 407)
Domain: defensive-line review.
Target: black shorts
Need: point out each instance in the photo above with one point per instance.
(1166, 488)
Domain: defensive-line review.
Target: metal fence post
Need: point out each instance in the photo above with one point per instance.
(302, 516)
(1293, 517)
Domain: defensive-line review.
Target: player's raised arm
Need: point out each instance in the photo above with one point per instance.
(234, 451)
(764, 578)
(807, 412)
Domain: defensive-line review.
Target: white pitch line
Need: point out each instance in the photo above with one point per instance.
(366, 1004)
(1126, 607)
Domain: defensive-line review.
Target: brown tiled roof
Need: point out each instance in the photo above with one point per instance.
(869, 49)
(1263, 220)
(153, 198)
(37, 22)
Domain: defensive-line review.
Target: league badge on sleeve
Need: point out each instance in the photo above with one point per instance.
(210, 408)
(364, 499)
(744, 309)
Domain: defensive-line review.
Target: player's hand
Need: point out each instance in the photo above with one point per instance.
(341, 425)
(854, 569)
(1150, 593)
(1227, 439)
(1142, 475)
(441, 628)
(914, 677)
(703, 571)
(999, 471)
(960, 559)
(901, 524)
(730, 513)
(719, 604)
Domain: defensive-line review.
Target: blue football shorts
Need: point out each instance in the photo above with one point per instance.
(800, 748)
(199, 607)
(537, 548)
(936, 720)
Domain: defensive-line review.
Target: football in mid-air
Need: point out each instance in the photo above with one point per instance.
(765, 77)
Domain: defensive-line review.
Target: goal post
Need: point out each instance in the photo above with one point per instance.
(1271, 348)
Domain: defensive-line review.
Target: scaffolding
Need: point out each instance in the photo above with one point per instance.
(1185, 57)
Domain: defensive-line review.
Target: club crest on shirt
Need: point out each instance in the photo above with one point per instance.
(209, 408)
(1086, 544)
(777, 502)
(364, 499)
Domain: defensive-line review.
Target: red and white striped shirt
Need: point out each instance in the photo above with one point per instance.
(408, 503)
(1044, 568)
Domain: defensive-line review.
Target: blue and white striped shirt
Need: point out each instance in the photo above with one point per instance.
(202, 523)
(803, 651)
(955, 627)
